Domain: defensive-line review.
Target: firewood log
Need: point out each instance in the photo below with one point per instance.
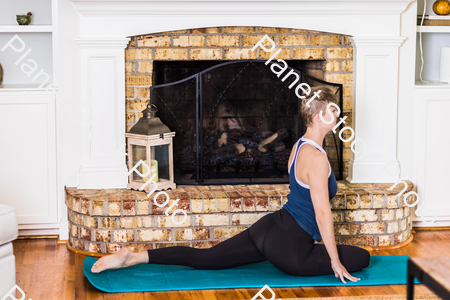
(266, 144)
(282, 158)
(249, 131)
(278, 147)
(248, 143)
(233, 136)
(235, 149)
(259, 136)
(214, 159)
(210, 141)
(223, 140)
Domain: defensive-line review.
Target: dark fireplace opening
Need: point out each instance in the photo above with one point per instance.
(235, 122)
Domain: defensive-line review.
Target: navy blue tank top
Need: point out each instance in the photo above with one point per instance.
(299, 203)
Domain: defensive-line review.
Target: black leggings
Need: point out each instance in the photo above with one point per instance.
(275, 237)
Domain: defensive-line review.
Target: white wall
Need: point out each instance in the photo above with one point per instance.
(40, 44)
(406, 109)
(42, 13)
(68, 119)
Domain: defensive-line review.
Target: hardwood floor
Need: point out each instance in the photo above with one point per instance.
(45, 270)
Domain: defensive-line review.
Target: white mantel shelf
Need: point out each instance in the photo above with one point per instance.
(26, 28)
(106, 18)
(433, 29)
(432, 85)
(32, 87)
(253, 7)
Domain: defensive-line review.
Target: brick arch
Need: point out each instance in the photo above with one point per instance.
(235, 43)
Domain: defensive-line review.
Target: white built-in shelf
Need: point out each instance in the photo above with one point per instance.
(32, 87)
(434, 84)
(433, 28)
(26, 28)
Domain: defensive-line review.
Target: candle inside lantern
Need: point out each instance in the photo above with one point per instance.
(153, 168)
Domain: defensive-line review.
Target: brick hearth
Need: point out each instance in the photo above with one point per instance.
(105, 220)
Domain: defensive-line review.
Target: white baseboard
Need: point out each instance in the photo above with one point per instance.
(27, 232)
(63, 232)
(438, 223)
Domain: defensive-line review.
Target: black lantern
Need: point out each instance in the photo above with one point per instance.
(150, 153)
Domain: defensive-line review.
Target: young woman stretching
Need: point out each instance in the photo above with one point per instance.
(284, 237)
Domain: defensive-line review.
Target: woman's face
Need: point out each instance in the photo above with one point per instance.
(327, 117)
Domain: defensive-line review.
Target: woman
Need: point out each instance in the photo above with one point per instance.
(285, 237)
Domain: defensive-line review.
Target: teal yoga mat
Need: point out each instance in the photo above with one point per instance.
(150, 277)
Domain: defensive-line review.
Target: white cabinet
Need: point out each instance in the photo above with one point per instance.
(432, 105)
(28, 123)
(28, 180)
(433, 159)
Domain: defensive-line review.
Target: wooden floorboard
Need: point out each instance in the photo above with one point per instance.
(45, 270)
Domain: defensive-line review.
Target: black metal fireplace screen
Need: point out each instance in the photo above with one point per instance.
(236, 122)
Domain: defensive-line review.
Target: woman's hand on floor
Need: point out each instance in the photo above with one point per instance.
(341, 271)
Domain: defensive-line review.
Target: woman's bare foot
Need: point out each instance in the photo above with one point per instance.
(120, 259)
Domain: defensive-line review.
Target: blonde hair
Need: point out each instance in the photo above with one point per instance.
(317, 104)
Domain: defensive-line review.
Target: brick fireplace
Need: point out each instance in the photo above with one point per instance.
(103, 216)
(323, 55)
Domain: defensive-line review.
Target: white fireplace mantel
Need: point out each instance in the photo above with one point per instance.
(104, 26)
(127, 18)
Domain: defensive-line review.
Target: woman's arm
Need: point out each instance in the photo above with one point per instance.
(318, 185)
(317, 174)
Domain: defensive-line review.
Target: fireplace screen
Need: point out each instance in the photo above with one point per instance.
(235, 122)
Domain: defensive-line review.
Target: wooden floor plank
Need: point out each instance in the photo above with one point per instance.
(45, 270)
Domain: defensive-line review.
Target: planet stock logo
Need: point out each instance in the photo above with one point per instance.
(11, 295)
(259, 294)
